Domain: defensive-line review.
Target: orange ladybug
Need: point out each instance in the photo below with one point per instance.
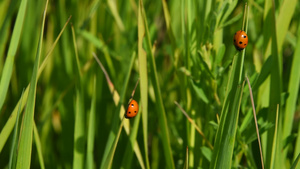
(240, 40)
(132, 110)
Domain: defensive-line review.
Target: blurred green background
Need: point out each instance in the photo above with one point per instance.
(189, 59)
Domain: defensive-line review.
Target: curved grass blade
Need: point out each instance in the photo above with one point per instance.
(6, 130)
(13, 152)
(25, 147)
(8, 66)
(159, 103)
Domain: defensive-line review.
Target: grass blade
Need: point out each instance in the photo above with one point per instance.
(8, 66)
(255, 120)
(6, 130)
(293, 88)
(38, 146)
(143, 71)
(109, 159)
(132, 144)
(159, 104)
(275, 94)
(91, 130)
(117, 99)
(295, 164)
(13, 152)
(79, 136)
(25, 148)
(226, 133)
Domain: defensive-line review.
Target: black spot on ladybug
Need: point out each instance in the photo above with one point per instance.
(129, 112)
(132, 105)
(240, 42)
(245, 44)
(244, 36)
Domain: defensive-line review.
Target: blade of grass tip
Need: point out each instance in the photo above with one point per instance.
(91, 130)
(13, 151)
(194, 124)
(273, 153)
(295, 163)
(38, 146)
(5, 132)
(256, 125)
(159, 104)
(143, 73)
(25, 146)
(109, 159)
(8, 66)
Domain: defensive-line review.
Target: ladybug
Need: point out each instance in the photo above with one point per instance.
(240, 40)
(132, 110)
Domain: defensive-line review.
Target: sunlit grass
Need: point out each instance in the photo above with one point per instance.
(78, 79)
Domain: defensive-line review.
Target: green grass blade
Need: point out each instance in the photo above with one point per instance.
(101, 46)
(159, 103)
(91, 130)
(109, 159)
(25, 146)
(38, 146)
(118, 101)
(295, 163)
(143, 71)
(8, 66)
(293, 88)
(275, 94)
(79, 132)
(126, 162)
(186, 163)
(6, 130)
(287, 9)
(226, 133)
(113, 8)
(13, 152)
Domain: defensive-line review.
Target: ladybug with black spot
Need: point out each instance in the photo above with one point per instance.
(240, 40)
(132, 110)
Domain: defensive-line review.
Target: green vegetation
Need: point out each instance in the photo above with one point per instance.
(69, 68)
